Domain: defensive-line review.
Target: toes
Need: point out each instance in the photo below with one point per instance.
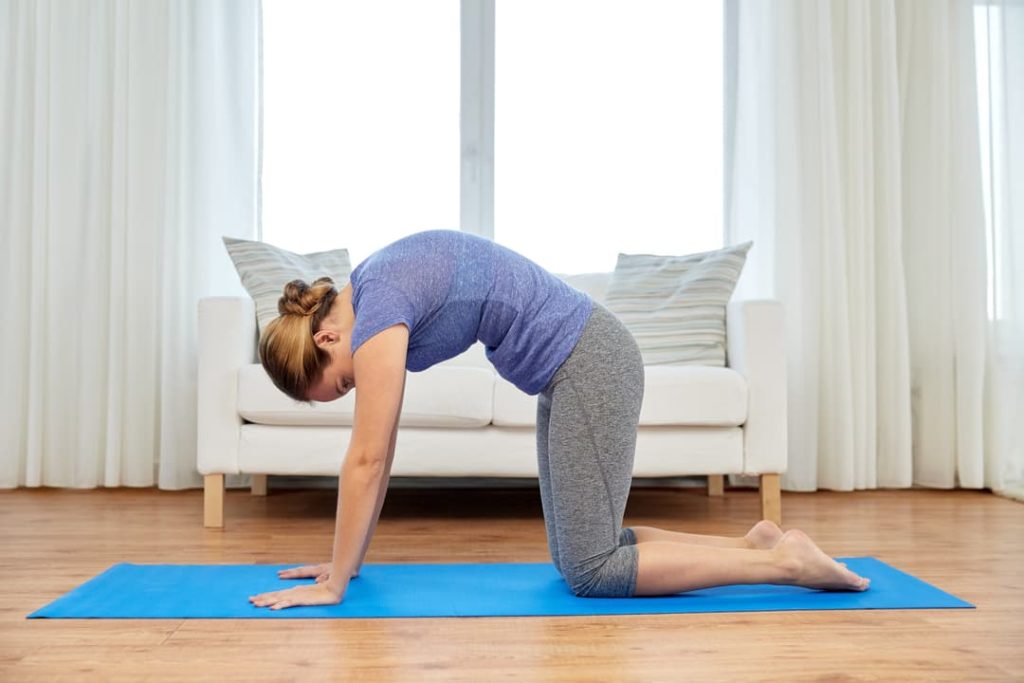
(855, 580)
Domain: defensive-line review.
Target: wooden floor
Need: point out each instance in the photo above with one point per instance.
(969, 543)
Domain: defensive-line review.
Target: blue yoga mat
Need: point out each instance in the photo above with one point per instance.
(168, 591)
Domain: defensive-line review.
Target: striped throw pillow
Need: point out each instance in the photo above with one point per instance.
(266, 269)
(675, 305)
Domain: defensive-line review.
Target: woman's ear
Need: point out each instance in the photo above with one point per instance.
(324, 338)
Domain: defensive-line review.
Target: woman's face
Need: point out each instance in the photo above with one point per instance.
(335, 337)
(336, 381)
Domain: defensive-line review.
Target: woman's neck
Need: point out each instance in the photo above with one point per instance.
(342, 315)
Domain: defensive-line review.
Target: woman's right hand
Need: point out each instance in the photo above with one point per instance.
(321, 572)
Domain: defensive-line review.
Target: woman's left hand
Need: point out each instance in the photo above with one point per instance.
(308, 594)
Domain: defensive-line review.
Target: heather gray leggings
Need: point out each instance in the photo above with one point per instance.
(586, 437)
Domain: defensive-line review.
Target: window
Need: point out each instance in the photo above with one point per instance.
(608, 129)
(992, 132)
(360, 122)
(605, 120)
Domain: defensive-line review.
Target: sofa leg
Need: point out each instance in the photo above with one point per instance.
(716, 484)
(771, 498)
(213, 500)
(259, 484)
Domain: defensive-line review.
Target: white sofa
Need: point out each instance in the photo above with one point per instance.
(460, 418)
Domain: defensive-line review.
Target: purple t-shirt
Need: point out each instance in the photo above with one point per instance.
(453, 288)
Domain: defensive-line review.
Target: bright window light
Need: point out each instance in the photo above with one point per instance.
(608, 129)
(360, 122)
(608, 126)
(988, 34)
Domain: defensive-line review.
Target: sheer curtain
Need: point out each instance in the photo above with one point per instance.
(127, 148)
(855, 167)
(999, 27)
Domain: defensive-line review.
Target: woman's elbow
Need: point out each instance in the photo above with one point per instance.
(365, 464)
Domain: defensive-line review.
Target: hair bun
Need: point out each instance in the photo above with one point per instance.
(303, 299)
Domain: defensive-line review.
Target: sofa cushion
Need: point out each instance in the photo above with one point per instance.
(486, 452)
(265, 269)
(683, 395)
(675, 305)
(430, 400)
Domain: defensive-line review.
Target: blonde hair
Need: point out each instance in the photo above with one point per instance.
(287, 350)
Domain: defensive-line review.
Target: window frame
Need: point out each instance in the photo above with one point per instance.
(476, 196)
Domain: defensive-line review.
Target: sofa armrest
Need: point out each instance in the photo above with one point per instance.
(755, 343)
(227, 341)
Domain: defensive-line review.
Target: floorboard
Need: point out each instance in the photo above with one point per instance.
(966, 542)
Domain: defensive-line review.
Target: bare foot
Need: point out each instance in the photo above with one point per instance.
(810, 567)
(763, 536)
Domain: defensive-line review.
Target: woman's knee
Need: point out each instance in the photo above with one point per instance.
(611, 575)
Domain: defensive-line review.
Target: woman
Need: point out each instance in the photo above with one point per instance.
(428, 297)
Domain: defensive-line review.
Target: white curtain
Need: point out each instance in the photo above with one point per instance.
(127, 148)
(855, 167)
(999, 27)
